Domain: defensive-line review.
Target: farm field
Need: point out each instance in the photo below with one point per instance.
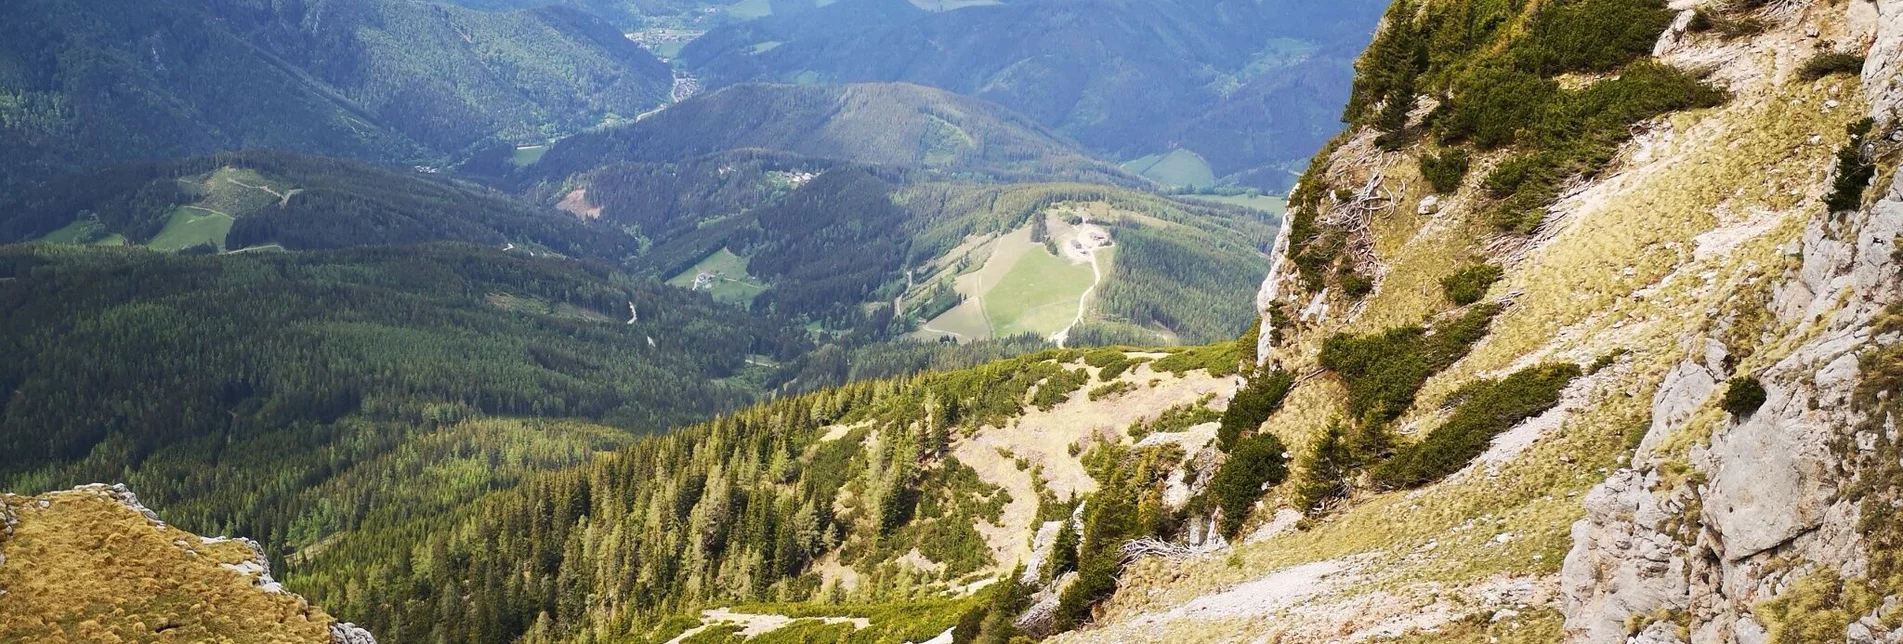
(1039, 295)
(1179, 167)
(81, 231)
(731, 283)
(192, 226)
(528, 155)
(1020, 288)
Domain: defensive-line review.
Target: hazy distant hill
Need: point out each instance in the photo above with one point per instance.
(886, 124)
(286, 201)
(100, 81)
(1248, 86)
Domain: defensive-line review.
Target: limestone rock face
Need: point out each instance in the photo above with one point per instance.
(1763, 504)
(1767, 504)
(348, 633)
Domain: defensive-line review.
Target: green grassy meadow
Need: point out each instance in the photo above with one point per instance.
(1039, 295)
(733, 285)
(81, 231)
(1179, 167)
(528, 155)
(192, 226)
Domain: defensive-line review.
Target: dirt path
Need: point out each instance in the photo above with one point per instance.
(284, 198)
(1090, 239)
(928, 328)
(754, 625)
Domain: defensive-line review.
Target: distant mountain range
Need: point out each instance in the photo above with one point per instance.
(1251, 87)
(88, 83)
(890, 124)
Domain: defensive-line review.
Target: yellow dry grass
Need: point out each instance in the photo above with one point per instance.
(86, 568)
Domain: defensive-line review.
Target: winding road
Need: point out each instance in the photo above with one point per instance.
(1096, 277)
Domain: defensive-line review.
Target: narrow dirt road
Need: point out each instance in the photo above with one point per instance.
(1090, 240)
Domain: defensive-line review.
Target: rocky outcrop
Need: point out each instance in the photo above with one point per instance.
(348, 633)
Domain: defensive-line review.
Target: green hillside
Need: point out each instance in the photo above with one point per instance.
(832, 242)
(88, 83)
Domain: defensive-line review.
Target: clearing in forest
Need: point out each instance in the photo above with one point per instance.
(1178, 167)
(192, 226)
(528, 155)
(722, 275)
(1020, 288)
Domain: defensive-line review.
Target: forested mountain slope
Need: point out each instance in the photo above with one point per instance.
(1252, 87)
(878, 509)
(289, 395)
(277, 201)
(90, 83)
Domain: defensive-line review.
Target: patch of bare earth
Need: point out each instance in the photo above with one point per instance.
(576, 203)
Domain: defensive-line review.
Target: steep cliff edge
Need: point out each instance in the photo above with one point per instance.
(1724, 468)
(93, 565)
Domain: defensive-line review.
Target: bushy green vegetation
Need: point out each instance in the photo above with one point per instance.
(1110, 363)
(1486, 409)
(1470, 284)
(1101, 392)
(1354, 285)
(1446, 170)
(1495, 68)
(1830, 63)
(1058, 388)
(1325, 467)
(1589, 35)
(1856, 166)
(1254, 464)
(1222, 359)
(1727, 26)
(991, 619)
(1743, 396)
(1109, 520)
(1383, 371)
(1563, 133)
(1175, 419)
(1252, 405)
